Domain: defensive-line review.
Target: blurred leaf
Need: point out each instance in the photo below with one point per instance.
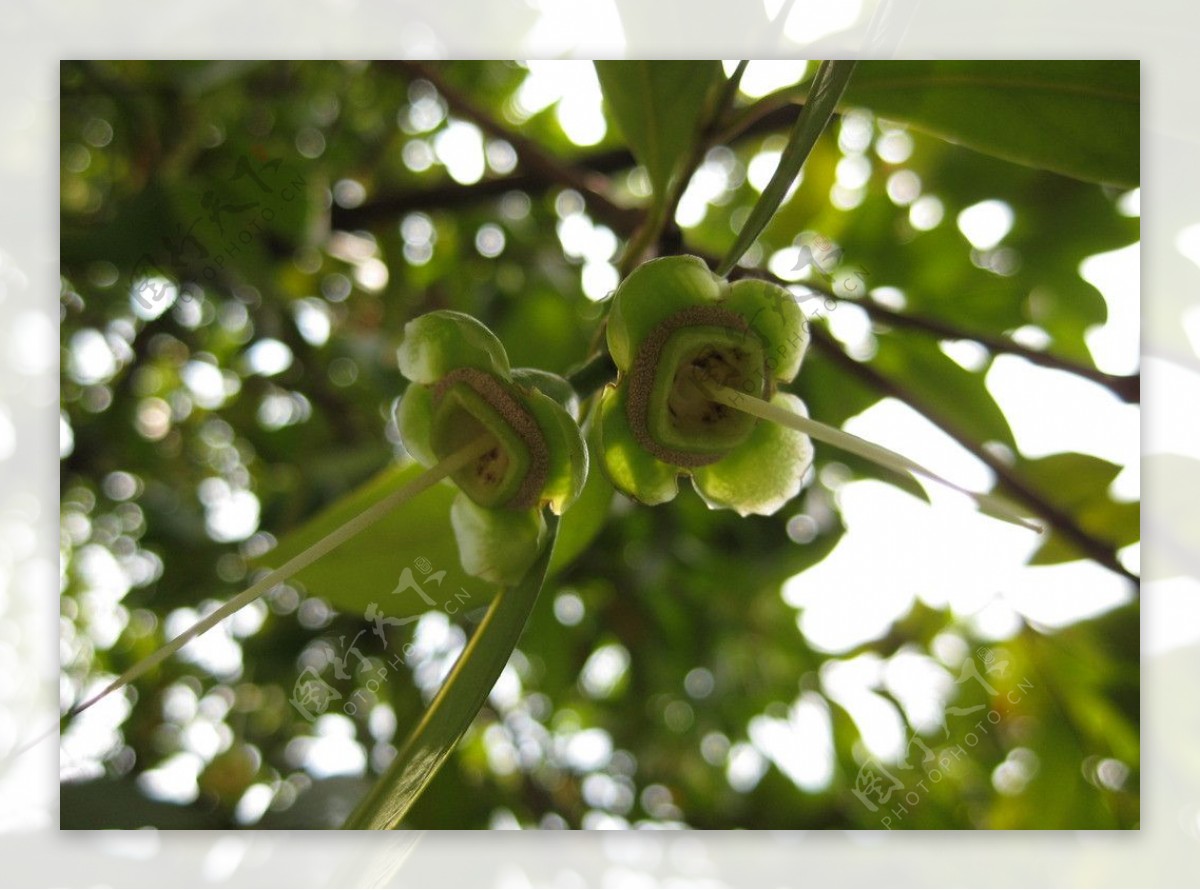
(196, 77)
(256, 198)
(659, 106)
(1117, 523)
(920, 367)
(365, 569)
(542, 330)
(831, 395)
(1073, 478)
(1032, 277)
(1079, 483)
(458, 701)
(1080, 118)
(1096, 663)
(1085, 702)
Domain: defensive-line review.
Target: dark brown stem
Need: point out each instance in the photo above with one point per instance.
(1010, 481)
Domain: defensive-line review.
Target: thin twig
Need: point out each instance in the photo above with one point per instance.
(390, 205)
(1061, 521)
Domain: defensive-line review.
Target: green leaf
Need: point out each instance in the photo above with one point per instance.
(457, 702)
(659, 106)
(827, 88)
(1079, 483)
(1081, 118)
(1071, 478)
(365, 569)
(1119, 523)
(961, 396)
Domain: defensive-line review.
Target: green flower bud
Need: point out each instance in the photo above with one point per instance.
(675, 327)
(462, 389)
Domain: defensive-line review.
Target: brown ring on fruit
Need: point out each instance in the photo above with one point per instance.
(498, 396)
(642, 377)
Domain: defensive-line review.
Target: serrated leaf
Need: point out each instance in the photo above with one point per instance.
(659, 106)
(1080, 118)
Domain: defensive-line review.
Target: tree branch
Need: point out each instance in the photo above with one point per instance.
(532, 156)
(1128, 388)
(1061, 521)
(391, 205)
